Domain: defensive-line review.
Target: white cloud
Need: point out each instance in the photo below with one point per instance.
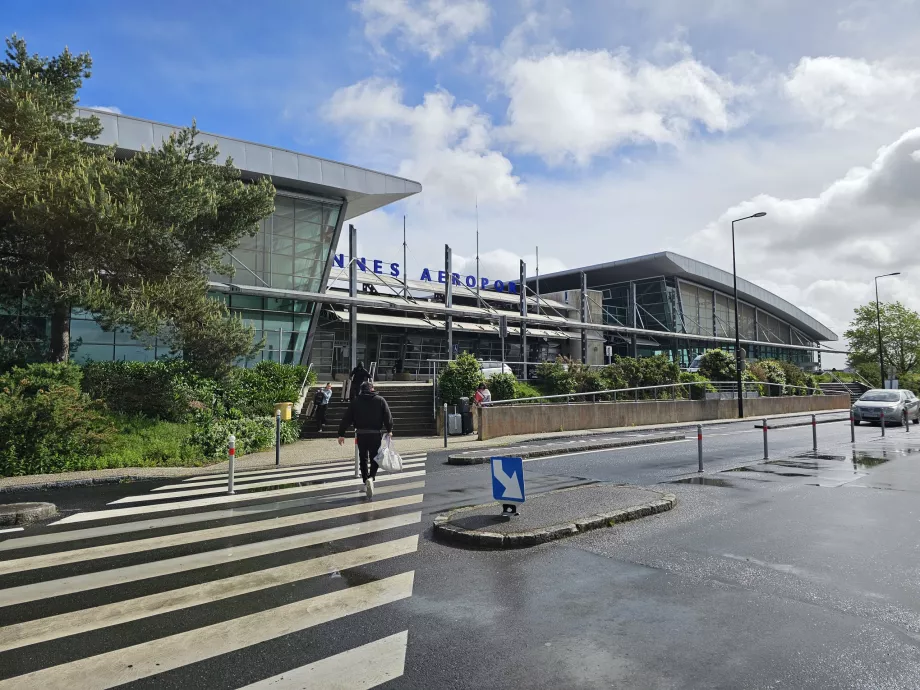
(104, 108)
(429, 26)
(443, 145)
(821, 252)
(581, 104)
(840, 91)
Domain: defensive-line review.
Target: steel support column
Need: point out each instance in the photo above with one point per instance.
(449, 301)
(523, 307)
(584, 317)
(353, 292)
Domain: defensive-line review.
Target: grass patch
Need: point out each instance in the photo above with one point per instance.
(145, 442)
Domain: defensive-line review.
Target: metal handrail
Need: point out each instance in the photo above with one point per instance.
(636, 390)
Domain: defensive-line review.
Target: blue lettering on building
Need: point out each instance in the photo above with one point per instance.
(379, 267)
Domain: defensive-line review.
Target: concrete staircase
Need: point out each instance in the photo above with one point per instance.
(410, 405)
(853, 389)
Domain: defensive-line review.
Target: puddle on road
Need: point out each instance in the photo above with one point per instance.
(862, 459)
(707, 481)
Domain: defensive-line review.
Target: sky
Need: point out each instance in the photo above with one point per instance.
(594, 129)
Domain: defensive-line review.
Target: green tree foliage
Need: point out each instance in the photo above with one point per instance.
(129, 239)
(502, 386)
(900, 339)
(459, 379)
(696, 386)
(717, 365)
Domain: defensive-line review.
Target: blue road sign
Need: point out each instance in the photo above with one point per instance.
(508, 480)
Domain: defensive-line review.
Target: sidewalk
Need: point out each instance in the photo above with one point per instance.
(315, 451)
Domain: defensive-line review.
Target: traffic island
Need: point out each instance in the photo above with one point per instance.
(549, 516)
(25, 513)
(560, 447)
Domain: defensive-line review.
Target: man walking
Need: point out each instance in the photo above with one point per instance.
(369, 413)
(358, 376)
(321, 405)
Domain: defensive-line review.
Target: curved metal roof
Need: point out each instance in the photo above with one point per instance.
(671, 264)
(365, 190)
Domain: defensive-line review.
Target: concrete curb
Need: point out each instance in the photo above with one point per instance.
(69, 483)
(563, 450)
(513, 540)
(25, 513)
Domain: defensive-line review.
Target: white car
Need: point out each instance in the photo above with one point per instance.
(490, 369)
(898, 405)
(695, 364)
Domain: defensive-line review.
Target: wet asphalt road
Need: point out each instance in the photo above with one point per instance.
(800, 573)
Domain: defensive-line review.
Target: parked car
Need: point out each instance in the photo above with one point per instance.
(490, 369)
(896, 404)
(695, 364)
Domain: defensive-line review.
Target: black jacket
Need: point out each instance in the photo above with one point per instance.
(358, 376)
(369, 413)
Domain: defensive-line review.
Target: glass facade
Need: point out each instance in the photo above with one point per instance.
(289, 251)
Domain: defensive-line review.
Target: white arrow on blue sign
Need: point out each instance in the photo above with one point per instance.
(508, 479)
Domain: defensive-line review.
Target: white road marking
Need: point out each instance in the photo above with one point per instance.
(275, 480)
(360, 668)
(219, 500)
(181, 538)
(116, 576)
(159, 523)
(12, 529)
(116, 613)
(281, 481)
(165, 654)
(290, 468)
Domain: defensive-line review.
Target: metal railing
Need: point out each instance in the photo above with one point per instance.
(638, 393)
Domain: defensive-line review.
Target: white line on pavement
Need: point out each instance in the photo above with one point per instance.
(165, 654)
(159, 523)
(116, 613)
(49, 560)
(117, 576)
(291, 468)
(11, 529)
(360, 668)
(219, 500)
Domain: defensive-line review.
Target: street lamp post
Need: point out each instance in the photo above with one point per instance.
(878, 321)
(738, 359)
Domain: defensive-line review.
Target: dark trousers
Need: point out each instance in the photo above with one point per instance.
(368, 447)
(321, 414)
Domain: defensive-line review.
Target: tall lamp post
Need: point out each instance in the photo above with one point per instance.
(739, 361)
(878, 321)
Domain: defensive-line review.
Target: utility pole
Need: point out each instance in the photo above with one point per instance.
(523, 292)
(584, 317)
(478, 281)
(353, 292)
(449, 300)
(537, 307)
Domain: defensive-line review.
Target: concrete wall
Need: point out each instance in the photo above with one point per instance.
(505, 420)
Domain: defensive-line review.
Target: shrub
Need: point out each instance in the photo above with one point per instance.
(145, 442)
(525, 390)
(31, 378)
(697, 388)
(459, 379)
(557, 377)
(49, 430)
(749, 376)
(212, 435)
(163, 389)
(502, 386)
(773, 374)
(254, 392)
(717, 365)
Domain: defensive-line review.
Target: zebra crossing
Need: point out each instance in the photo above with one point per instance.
(179, 587)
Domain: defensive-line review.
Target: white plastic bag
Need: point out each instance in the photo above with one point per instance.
(388, 459)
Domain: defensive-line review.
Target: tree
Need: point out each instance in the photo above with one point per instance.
(129, 239)
(900, 339)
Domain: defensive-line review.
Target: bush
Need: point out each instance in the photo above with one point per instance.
(164, 389)
(557, 377)
(696, 388)
(49, 430)
(525, 390)
(502, 386)
(254, 392)
(212, 435)
(34, 377)
(773, 374)
(145, 442)
(459, 379)
(717, 365)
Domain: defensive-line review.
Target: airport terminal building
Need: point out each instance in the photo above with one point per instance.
(295, 288)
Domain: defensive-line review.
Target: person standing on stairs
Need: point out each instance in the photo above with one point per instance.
(369, 413)
(321, 405)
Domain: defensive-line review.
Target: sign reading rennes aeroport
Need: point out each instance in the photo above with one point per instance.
(392, 269)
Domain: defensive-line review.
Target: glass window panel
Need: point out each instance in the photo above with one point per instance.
(330, 215)
(284, 206)
(272, 321)
(308, 249)
(272, 304)
(90, 332)
(125, 336)
(251, 318)
(245, 302)
(282, 245)
(282, 226)
(93, 353)
(301, 323)
(127, 353)
(282, 281)
(253, 243)
(282, 263)
(305, 284)
(301, 306)
(309, 211)
(308, 231)
(308, 268)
